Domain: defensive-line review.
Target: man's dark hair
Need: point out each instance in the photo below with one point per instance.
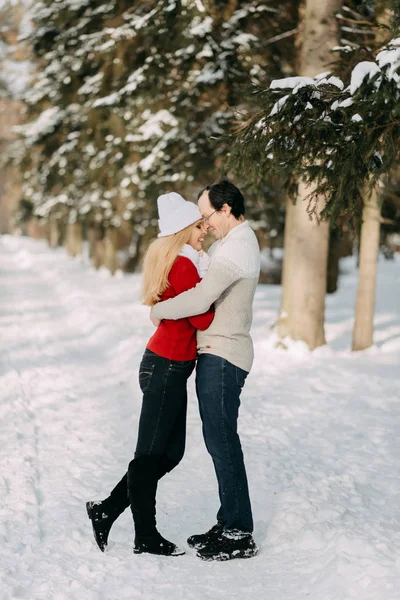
(224, 192)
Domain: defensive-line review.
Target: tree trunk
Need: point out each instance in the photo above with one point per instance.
(334, 253)
(74, 239)
(306, 243)
(11, 114)
(302, 312)
(283, 320)
(54, 233)
(368, 256)
(318, 34)
(341, 244)
(91, 235)
(36, 229)
(98, 258)
(110, 250)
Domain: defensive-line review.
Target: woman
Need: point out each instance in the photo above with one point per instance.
(171, 266)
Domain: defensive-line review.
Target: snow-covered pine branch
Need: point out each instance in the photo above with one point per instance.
(339, 135)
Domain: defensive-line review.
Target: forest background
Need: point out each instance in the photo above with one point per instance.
(106, 104)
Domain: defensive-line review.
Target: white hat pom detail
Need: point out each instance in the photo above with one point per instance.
(175, 213)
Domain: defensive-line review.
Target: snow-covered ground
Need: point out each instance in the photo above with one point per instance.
(320, 433)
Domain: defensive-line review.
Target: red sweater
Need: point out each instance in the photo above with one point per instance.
(176, 340)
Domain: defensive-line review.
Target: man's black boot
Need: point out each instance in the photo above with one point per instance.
(229, 545)
(200, 540)
(143, 476)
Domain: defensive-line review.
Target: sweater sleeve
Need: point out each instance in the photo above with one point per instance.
(226, 268)
(184, 276)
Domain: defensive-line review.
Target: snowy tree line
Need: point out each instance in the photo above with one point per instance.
(130, 100)
(133, 98)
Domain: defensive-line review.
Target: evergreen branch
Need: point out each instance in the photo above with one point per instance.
(395, 6)
(356, 21)
(338, 141)
(281, 36)
(351, 11)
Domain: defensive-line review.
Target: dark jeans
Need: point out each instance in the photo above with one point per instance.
(162, 424)
(219, 384)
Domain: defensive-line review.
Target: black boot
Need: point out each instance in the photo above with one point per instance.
(104, 513)
(102, 520)
(200, 540)
(143, 476)
(230, 544)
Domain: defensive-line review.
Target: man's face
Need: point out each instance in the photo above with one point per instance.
(214, 221)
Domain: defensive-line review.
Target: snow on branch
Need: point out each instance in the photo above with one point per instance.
(42, 126)
(340, 136)
(360, 72)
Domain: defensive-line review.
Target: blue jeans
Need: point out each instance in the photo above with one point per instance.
(218, 385)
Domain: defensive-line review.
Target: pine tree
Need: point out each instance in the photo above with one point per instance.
(341, 137)
(130, 98)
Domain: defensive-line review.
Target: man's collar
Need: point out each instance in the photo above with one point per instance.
(237, 229)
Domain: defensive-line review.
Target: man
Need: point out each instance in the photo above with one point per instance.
(225, 359)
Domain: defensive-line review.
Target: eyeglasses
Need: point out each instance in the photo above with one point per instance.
(205, 219)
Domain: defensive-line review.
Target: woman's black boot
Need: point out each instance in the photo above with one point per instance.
(143, 476)
(104, 513)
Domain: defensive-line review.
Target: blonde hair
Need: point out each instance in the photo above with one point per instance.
(157, 263)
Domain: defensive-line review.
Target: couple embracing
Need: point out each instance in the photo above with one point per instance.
(202, 307)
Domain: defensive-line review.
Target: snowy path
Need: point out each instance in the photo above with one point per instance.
(320, 433)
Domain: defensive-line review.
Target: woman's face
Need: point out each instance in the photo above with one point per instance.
(197, 236)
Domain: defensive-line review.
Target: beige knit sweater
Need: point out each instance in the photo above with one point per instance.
(230, 284)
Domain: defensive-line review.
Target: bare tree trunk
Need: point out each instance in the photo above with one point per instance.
(306, 243)
(98, 257)
(54, 233)
(369, 247)
(91, 234)
(288, 260)
(334, 253)
(97, 247)
(10, 177)
(341, 244)
(319, 33)
(12, 112)
(303, 301)
(36, 229)
(110, 249)
(74, 239)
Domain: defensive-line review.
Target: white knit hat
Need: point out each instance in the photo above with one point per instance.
(175, 213)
